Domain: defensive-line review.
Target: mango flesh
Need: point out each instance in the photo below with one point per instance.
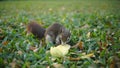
(60, 50)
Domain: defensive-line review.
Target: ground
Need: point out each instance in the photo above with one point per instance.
(94, 25)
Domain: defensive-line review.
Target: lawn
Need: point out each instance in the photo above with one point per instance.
(94, 24)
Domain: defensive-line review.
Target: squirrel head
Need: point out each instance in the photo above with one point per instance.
(65, 35)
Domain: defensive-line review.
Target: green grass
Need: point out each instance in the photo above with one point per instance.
(101, 17)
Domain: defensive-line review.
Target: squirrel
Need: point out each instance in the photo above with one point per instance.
(36, 29)
(57, 33)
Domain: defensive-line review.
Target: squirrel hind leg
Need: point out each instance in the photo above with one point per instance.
(40, 44)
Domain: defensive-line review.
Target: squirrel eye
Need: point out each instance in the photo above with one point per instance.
(68, 38)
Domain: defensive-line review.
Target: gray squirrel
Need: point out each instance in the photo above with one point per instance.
(55, 33)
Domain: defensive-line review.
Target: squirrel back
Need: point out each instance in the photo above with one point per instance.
(36, 29)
